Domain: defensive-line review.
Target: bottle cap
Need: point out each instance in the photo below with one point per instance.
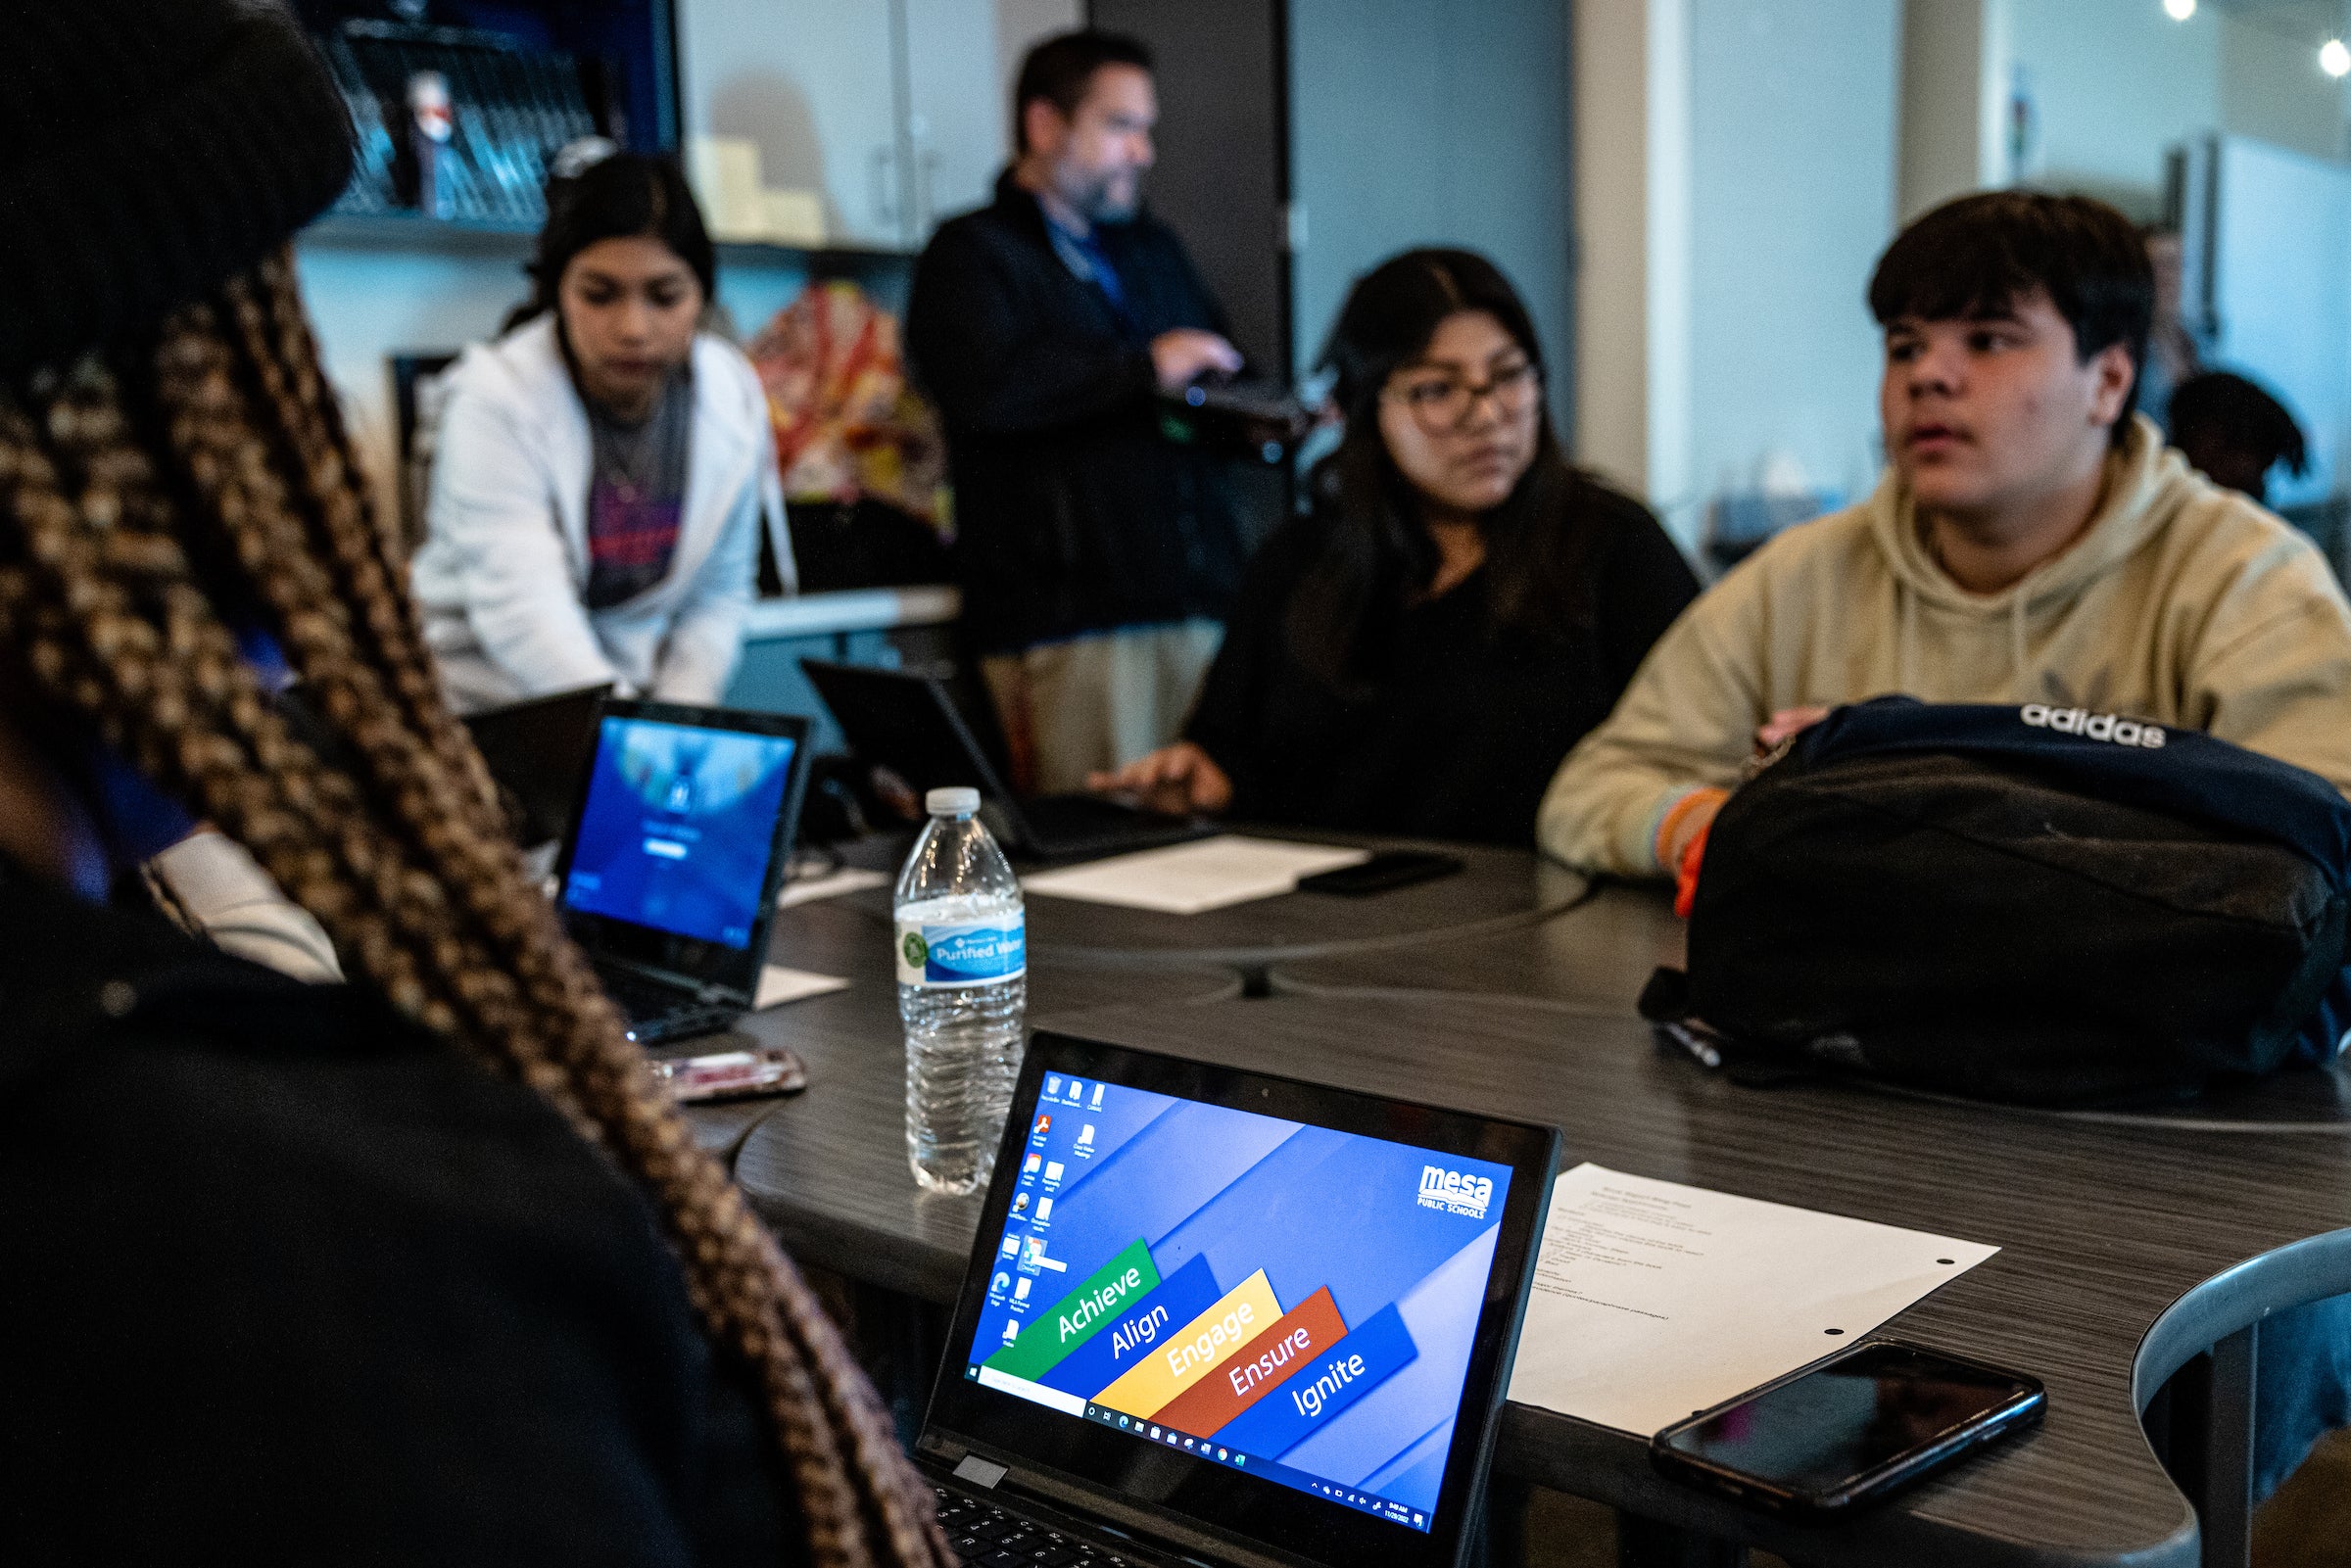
(960, 801)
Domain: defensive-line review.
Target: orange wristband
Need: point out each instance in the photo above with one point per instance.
(1684, 888)
(1674, 817)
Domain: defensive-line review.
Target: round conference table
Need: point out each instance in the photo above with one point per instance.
(2133, 1244)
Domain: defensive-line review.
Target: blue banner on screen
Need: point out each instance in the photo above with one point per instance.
(678, 826)
(1285, 1300)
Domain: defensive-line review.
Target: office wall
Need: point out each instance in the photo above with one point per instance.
(1791, 156)
(2117, 83)
(1431, 122)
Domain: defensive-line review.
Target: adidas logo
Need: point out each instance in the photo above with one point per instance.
(2090, 725)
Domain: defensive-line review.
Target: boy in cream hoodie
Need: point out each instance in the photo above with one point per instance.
(2032, 541)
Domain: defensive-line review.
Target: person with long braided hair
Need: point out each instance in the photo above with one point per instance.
(419, 1267)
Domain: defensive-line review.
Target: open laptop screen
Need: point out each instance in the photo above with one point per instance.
(1275, 1297)
(677, 827)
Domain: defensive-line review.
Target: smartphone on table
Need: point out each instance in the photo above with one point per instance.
(1848, 1431)
(1384, 871)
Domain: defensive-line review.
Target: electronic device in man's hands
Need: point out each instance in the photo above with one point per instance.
(1384, 871)
(1849, 1429)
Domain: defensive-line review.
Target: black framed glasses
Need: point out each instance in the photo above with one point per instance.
(1441, 404)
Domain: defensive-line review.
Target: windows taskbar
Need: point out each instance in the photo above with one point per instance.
(1383, 1507)
(1200, 1448)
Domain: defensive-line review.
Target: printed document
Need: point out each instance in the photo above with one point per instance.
(1195, 878)
(1654, 1301)
(847, 880)
(779, 985)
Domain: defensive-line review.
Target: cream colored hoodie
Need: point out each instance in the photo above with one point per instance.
(2182, 602)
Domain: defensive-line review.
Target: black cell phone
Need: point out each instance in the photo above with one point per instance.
(1388, 869)
(1848, 1431)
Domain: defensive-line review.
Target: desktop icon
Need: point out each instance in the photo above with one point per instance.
(1012, 1244)
(1053, 1087)
(1155, 1432)
(1122, 1423)
(1012, 1331)
(1096, 1103)
(1085, 1136)
(1220, 1454)
(1019, 1203)
(1020, 1288)
(1044, 1125)
(1003, 1283)
(1052, 1171)
(1030, 1166)
(1044, 1209)
(1077, 1088)
(1032, 1255)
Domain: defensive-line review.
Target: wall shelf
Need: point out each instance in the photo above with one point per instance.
(414, 232)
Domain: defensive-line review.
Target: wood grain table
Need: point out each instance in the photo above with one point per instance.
(1496, 890)
(858, 1028)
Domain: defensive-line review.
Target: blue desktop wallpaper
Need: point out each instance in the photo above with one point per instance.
(678, 826)
(1293, 1301)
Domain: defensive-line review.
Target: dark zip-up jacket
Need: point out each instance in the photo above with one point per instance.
(289, 1279)
(1074, 512)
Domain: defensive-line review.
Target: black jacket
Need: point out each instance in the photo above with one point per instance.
(1462, 736)
(1073, 511)
(286, 1279)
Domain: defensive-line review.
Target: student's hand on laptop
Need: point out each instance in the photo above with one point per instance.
(1176, 780)
(1183, 355)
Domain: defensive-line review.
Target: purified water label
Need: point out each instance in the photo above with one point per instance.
(962, 952)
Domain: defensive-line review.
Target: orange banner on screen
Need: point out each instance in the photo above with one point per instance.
(1257, 1368)
(1182, 1359)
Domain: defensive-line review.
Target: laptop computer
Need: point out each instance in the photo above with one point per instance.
(668, 877)
(536, 752)
(909, 722)
(1221, 1318)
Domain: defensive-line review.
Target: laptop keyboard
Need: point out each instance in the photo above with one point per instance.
(656, 1012)
(984, 1536)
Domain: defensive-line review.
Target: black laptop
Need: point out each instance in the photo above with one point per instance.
(668, 878)
(536, 752)
(1219, 1318)
(909, 722)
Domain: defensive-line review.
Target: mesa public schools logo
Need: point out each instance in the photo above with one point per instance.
(1454, 1193)
(918, 952)
(2109, 727)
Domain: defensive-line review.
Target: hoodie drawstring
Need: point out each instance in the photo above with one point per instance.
(1904, 607)
(2016, 646)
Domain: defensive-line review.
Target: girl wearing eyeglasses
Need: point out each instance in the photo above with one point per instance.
(1417, 652)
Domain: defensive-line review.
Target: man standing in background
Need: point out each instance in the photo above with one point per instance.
(1098, 554)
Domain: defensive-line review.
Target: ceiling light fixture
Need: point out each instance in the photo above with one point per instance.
(2335, 58)
(2179, 10)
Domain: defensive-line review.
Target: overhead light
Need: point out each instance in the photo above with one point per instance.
(2335, 58)
(2179, 10)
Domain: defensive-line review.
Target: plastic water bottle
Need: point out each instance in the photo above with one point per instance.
(963, 966)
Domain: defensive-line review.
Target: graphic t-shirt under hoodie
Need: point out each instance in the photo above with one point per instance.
(2181, 603)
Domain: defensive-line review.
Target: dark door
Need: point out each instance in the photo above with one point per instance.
(1222, 181)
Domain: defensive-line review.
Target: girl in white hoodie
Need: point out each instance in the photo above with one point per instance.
(604, 468)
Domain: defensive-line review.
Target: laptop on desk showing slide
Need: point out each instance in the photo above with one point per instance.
(908, 722)
(1223, 1317)
(670, 878)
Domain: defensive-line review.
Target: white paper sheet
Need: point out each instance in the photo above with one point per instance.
(779, 985)
(1654, 1301)
(1193, 879)
(847, 880)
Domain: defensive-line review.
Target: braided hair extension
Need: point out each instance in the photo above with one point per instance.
(218, 444)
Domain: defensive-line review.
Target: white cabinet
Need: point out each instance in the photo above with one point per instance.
(897, 111)
(812, 83)
(958, 108)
